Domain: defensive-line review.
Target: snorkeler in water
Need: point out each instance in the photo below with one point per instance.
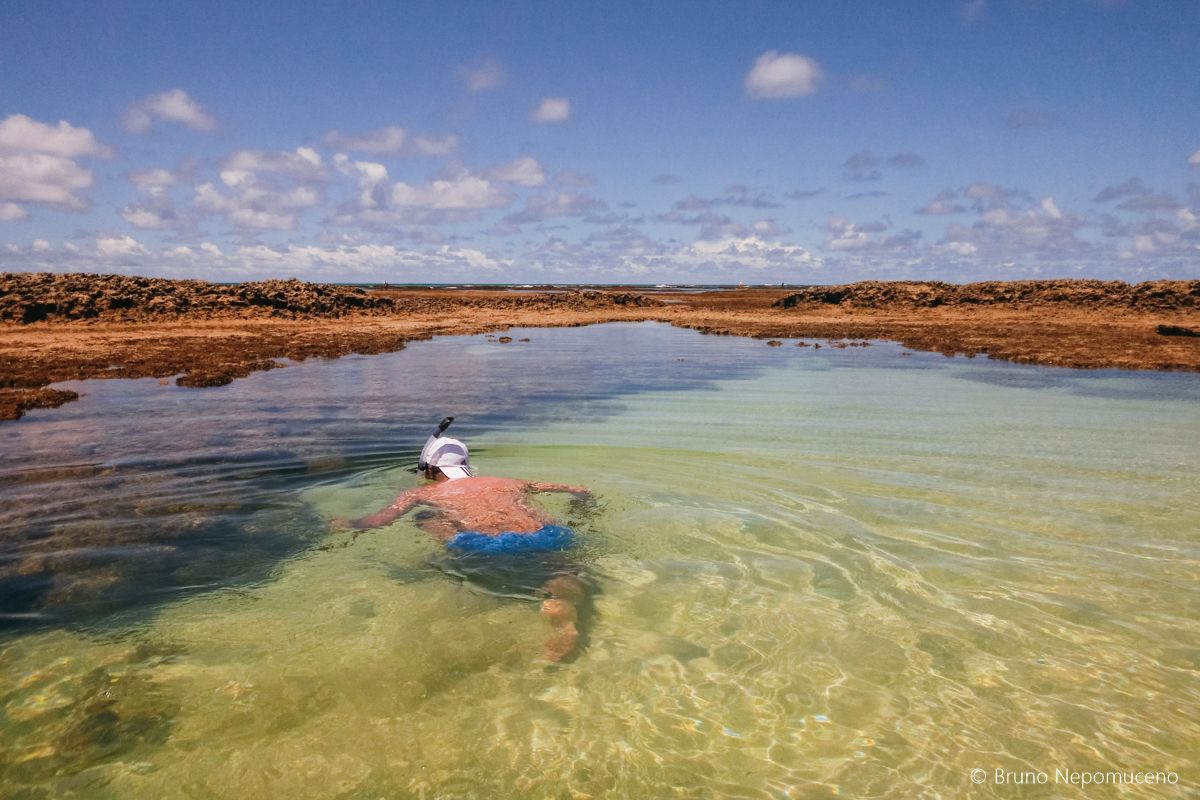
(492, 534)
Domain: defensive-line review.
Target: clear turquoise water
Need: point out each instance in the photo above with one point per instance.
(823, 573)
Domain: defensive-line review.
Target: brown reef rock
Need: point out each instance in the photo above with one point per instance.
(1093, 294)
(27, 297)
(57, 328)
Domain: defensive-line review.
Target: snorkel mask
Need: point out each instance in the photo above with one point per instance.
(423, 460)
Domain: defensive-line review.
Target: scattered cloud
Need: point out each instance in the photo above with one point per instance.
(483, 75)
(1137, 196)
(626, 253)
(842, 234)
(734, 195)
(148, 216)
(253, 207)
(1194, 160)
(172, 106)
(368, 175)
(552, 110)
(694, 203)
(866, 166)
(119, 246)
(555, 204)
(364, 261)
(382, 141)
(21, 135)
(460, 191)
(39, 178)
(741, 195)
(12, 211)
(266, 190)
(804, 194)
(780, 75)
(153, 181)
(393, 141)
(862, 166)
(524, 171)
(1012, 225)
(37, 165)
(749, 252)
(303, 164)
(666, 178)
(770, 227)
(1130, 188)
(455, 195)
(1151, 202)
(157, 210)
(945, 203)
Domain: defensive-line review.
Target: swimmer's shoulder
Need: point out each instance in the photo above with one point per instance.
(498, 482)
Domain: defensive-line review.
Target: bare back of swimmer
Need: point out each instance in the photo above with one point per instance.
(483, 507)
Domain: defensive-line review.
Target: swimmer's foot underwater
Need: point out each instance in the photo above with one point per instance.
(495, 538)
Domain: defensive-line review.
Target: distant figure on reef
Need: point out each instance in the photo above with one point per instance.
(493, 536)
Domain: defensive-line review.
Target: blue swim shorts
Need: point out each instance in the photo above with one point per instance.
(547, 539)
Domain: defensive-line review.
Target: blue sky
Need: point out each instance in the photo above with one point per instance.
(810, 142)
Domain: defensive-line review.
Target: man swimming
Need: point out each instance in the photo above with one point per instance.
(489, 527)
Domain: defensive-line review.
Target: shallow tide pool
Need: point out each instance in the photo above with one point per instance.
(821, 572)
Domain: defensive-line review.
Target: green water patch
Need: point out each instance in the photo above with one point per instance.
(822, 577)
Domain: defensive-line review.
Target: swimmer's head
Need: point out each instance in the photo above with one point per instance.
(448, 457)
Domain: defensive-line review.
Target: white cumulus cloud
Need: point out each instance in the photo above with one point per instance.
(459, 192)
(776, 75)
(268, 190)
(37, 164)
(172, 106)
(1194, 161)
(20, 134)
(39, 178)
(552, 110)
(117, 246)
(524, 171)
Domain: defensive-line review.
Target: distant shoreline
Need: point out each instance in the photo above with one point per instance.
(70, 327)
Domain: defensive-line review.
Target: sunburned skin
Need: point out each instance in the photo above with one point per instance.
(491, 506)
(485, 505)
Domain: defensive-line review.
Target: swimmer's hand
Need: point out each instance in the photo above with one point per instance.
(583, 506)
(578, 491)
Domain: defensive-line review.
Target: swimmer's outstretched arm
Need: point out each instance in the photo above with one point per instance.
(397, 509)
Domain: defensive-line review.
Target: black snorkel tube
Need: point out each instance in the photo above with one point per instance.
(423, 460)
